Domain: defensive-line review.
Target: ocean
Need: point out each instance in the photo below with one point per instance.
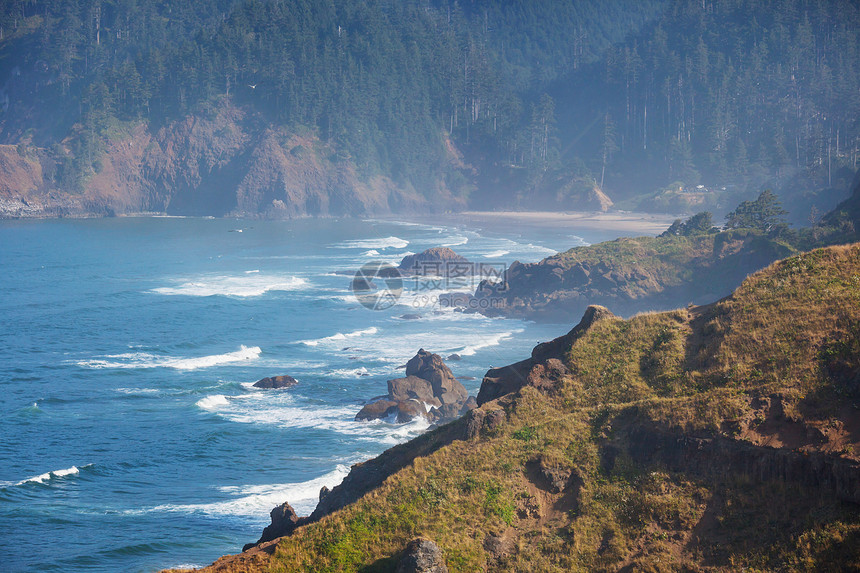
(131, 438)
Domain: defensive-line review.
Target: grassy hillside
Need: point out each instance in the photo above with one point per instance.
(713, 438)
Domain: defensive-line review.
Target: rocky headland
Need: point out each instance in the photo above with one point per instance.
(631, 275)
(662, 442)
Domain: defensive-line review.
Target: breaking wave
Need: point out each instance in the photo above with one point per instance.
(340, 336)
(131, 360)
(256, 501)
(381, 243)
(251, 283)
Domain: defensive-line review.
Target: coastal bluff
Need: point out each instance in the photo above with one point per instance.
(680, 441)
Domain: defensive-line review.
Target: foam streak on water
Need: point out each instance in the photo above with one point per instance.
(339, 336)
(254, 502)
(132, 360)
(249, 284)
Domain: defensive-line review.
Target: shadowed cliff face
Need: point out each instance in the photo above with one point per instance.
(227, 162)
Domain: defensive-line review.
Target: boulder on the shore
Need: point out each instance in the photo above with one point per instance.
(437, 262)
(428, 383)
(276, 382)
(422, 556)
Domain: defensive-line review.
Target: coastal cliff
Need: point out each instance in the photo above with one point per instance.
(713, 438)
(225, 162)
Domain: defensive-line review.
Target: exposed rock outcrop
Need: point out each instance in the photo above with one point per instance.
(438, 261)
(727, 458)
(284, 522)
(422, 556)
(429, 383)
(640, 274)
(377, 410)
(275, 382)
(430, 367)
(543, 370)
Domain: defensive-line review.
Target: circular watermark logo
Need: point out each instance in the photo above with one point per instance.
(377, 285)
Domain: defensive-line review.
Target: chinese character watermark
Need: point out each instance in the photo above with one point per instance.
(444, 284)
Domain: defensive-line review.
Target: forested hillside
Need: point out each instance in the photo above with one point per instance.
(729, 93)
(513, 104)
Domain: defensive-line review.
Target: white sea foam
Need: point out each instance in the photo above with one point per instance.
(370, 253)
(286, 410)
(496, 254)
(455, 241)
(340, 337)
(350, 372)
(405, 432)
(380, 243)
(251, 283)
(280, 410)
(137, 391)
(131, 360)
(422, 226)
(256, 501)
(537, 249)
(213, 402)
(395, 345)
(42, 478)
(485, 341)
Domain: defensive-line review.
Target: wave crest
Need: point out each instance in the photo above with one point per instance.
(249, 284)
(132, 360)
(47, 476)
(256, 501)
(340, 336)
(381, 243)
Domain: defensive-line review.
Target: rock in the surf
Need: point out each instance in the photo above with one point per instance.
(439, 261)
(428, 384)
(276, 382)
(377, 410)
(412, 387)
(430, 367)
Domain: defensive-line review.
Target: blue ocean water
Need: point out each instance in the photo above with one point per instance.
(130, 436)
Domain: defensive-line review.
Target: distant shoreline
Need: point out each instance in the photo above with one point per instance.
(616, 221)
(621, 221)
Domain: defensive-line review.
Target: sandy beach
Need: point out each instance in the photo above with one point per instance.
(622, 222)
